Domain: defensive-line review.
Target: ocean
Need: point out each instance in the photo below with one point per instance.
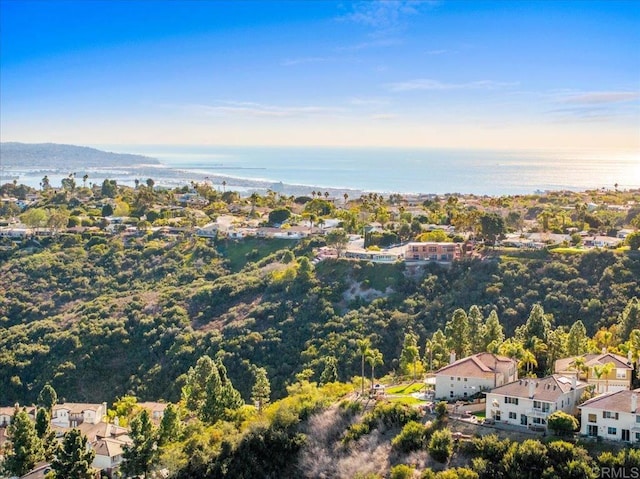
(396, 170)
(382, 170)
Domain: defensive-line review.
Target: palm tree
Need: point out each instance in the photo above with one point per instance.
(374, 358)
(346, 198)
(363, 348)
(84, 180)
(579, 365)
(528, 360)
(606, 371)
(600, 370)
(224, 186)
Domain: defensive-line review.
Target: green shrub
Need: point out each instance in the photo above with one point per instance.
(401, 471)
(441, 445)
(411, 438)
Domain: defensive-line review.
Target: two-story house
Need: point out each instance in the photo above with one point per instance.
(476, 373)
(432, 251)
(73, 414)
(614, 416)
(589, 368)
(528, 402)
(108, 456)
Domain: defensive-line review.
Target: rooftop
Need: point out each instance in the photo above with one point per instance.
(549, 388)
(593, 359)
(615, 401)
(474, 365)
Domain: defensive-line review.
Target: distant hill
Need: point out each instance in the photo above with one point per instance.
(53, 155)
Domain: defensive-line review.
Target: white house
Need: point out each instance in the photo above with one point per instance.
(109, 454)
(473, 374)
(74, 414)
(614, 416)
(528, 402)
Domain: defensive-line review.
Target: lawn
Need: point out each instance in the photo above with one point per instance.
(408, 400)
(405, 388)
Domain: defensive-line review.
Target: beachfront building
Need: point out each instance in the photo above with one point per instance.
(474, 374)
(528, 402)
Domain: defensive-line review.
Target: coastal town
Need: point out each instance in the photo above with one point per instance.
(486, 387)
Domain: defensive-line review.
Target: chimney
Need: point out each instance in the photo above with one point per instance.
(574, 382)
(604, 350)
(634, 402)
(532, 388)
(452, 357)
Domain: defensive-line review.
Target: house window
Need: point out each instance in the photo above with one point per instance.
(621, 374)
(543, 406)
(610, 415)
(458, 379)
(637, 436)
(611, 431)
(513, 415)
(638, 418)
(510, 400)
(465, 380)
(539, 420)
(450, 394)
(593, 418)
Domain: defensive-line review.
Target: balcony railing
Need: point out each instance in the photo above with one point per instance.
(538, 413)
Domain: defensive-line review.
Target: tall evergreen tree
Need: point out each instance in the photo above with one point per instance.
(630, 318)
(577, 339)
(25, 448)
(47, 398)
(220, 395)
(493, 331)
(170, 426)
(140, 456)
(476, 329)
(73, 458)
(410, 353)
(457, 332)
(46, 435)
(261, 392)
(436, 353)
(194, 391)
(538, 326)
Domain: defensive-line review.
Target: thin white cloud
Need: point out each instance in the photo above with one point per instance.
(430, 84)
(385, 14)
(360, 101)
(259, 110)
(601, 97)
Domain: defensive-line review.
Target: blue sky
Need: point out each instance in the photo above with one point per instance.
(467, 74)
